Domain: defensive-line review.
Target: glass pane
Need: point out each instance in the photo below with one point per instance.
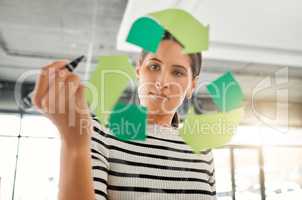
(10, 124)
(8, 152)
(38, 126)
(38, 165)
(283, 173)
(247, 174)
(264, 135)
(246, 135)
(223, 174)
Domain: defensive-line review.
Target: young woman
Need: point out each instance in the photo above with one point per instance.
(96, 165)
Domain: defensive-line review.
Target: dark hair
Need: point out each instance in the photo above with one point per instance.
(196, 62)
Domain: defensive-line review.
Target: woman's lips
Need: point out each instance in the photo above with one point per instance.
(158, 96)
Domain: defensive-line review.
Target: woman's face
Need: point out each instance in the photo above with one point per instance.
(165, 79)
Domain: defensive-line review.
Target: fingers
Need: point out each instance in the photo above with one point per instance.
(52, 97)
(44, 80)
(61, 94)
(72, 83)
(80, 96)
(80, 93)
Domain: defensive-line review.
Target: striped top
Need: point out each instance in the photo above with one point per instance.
(161, 167)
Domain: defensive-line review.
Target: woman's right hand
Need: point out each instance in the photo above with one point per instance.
(59, 95)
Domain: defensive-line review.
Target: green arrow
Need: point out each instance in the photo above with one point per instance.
(128, 121)
(193, 35)
(146, 33)
(226, 92)
(110, 79)
(212, 130)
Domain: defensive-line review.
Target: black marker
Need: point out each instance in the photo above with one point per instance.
(27, 102)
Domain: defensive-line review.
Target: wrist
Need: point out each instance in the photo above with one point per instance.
(73, 150)
(75, 139)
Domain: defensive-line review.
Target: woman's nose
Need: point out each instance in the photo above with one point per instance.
(158, 85)
(163, 80)
(161, 84)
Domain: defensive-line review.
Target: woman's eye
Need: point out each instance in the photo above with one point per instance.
(178, 73)
(154, 67)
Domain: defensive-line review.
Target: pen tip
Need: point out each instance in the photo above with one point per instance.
(82, 57)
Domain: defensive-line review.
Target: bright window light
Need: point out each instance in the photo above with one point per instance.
(38, 126)
(8, 152)
(266, 136)
(37, 169)
(10, 124)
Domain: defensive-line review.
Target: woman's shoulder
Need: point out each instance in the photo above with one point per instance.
(98, 127)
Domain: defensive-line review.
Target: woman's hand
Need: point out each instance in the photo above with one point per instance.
(59, 95)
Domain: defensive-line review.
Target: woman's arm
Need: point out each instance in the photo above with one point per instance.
(75, 173)
(59, 95)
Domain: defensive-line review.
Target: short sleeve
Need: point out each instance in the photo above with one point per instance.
(99, 156)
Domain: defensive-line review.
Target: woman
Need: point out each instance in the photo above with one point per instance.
(103, 167)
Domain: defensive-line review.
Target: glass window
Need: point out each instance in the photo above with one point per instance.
(37, 169)
(10, 124)
(222, 174)
(247, 174)
(8, 152)
(264, 135)
(38, 126)
(283, 173)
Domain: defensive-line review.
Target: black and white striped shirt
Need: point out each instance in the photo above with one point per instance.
(161, 167)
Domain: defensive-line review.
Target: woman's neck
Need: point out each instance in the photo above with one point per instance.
(163, 120)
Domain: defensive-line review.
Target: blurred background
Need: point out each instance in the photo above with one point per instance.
(259, 41)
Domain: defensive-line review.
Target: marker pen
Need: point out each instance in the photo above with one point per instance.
(27, 102)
